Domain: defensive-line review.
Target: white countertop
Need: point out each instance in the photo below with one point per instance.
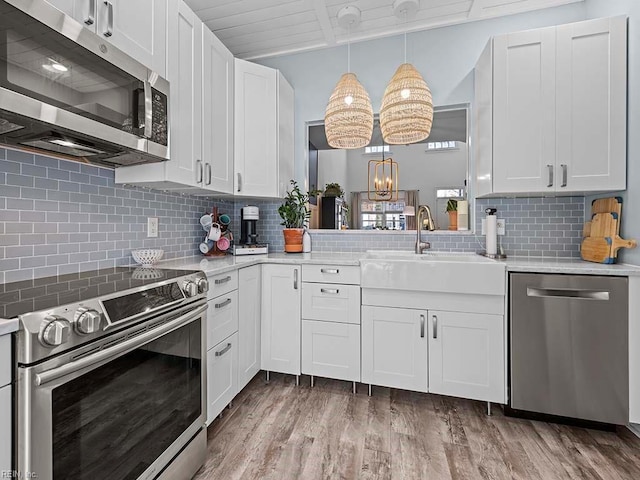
(216, 265)
(8, 326)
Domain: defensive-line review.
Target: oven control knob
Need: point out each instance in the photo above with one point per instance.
(203, 285)
(190, 288)
(54, 331)
(87, 321)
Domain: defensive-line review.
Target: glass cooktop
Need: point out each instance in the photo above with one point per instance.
(29, 296)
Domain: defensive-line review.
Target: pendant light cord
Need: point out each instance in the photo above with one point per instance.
(404, 13)
(349, 47)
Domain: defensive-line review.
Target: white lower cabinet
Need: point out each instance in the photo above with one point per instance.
(222, 376)
(5, 428)
(280, 348)
(331, 350)
(394, 347)
(466, 355)
(222, 317)
(249, 293)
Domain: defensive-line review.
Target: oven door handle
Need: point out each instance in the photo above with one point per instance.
(117, 350)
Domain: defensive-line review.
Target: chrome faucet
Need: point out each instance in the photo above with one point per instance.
(420, 245)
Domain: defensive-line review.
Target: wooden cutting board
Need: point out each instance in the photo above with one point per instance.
(596, 249)
(608, 205)
(618, 243)
(604, 225)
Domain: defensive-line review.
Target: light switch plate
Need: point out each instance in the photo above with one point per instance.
(152, 227)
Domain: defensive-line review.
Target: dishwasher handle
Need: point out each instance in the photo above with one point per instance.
(567, 293)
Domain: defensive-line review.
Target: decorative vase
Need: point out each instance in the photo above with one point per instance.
(453, 220)
(293, 239)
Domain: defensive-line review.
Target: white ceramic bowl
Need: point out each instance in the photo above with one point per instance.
(147, 256)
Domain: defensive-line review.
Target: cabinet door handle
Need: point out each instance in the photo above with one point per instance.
(109, 31)
(550, 182)
(224, 350)
(333, 271)
(421, 326)
(295, 279)
(220, 281)
(198, 171)
(332, 291)
(207, 168)
(223, 304)
(239, 182)
(564, 175)
(435, 327)
(91, 16)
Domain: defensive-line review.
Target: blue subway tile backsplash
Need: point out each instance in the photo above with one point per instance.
(59, 216)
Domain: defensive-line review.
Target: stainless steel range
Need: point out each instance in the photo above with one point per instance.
(110, 381)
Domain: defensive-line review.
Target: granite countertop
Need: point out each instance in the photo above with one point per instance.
(216, 265)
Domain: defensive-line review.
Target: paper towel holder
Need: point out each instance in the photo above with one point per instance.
(495, 256)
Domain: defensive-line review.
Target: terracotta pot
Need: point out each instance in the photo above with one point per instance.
(293, 240)
(453, 220)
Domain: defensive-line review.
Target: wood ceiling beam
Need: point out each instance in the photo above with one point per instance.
(476, 8)
(325, 22)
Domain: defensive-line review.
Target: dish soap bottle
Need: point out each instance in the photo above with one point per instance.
(306, 241)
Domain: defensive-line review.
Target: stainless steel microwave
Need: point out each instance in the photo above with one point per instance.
(65, 90)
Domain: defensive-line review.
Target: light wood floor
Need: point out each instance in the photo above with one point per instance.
(280, 431)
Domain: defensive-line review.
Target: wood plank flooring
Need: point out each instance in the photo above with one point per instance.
(282, 432)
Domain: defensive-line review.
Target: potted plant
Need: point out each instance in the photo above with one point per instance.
(294, 212)
(452, 210)
(333, 190)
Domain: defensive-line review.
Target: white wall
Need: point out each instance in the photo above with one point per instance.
(630, 227)
(332, 168)
(445, 57)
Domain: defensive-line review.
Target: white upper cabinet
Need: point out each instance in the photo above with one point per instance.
(217, 114)
(200, 71)
(185, 76)
(592, 104)
(551, 110)
(263, 131)
(137, 28)
(524, 110)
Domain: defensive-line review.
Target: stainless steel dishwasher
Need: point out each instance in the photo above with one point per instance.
(569, 346)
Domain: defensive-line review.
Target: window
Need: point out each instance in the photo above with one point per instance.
(377, 149)
(450, 192)
(441, 145)
(383, 215)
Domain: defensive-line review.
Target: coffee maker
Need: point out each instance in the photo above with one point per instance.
(248, 245)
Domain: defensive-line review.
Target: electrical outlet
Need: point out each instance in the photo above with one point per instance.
(152, 227)
(501, 224)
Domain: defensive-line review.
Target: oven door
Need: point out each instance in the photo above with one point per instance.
(121, 412)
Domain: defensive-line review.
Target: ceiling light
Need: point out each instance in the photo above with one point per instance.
(59, 67)
(348, 119)
(406, 112)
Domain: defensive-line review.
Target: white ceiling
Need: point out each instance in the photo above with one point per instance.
(264, 28)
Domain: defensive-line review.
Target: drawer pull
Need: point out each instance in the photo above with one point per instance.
(332, 291)
(223, 304)
(220, 281)
(224, 350)
(421, 326)
(435, 327)
(333, 271)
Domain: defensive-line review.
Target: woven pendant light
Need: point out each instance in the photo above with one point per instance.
(406, 113)
(348, 119)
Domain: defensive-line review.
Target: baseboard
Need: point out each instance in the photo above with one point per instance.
(635, 429)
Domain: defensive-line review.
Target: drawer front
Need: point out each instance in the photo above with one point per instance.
(346, 274)
(5, 360)
(222, 376)
(222, 318)
(222, 283)
(331, 302)
(331, 350)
